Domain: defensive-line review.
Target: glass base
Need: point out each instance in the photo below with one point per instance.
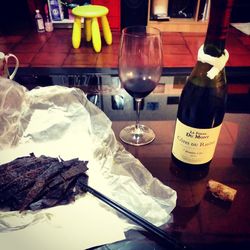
(137, 136)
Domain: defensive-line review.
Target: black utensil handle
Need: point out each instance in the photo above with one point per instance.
(138, 220)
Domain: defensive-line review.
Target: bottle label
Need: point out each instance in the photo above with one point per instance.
(193, 145)
(40, 24)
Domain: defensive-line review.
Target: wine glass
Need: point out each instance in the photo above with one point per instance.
(140, 68)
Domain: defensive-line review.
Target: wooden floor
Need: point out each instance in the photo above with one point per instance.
(55, 49)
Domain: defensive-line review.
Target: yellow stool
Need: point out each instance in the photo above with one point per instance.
(90, 13)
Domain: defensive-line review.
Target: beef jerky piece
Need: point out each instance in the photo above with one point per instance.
(54, 169)
(69, 194)
(29, 164)
(17, 162)
(40, 161)
(74, 190)
(61, 189)
(15, 202)
(61, 181)
(54, 196)
(43, 203)
(41, 181)
(17, 187)
(69, 163)
(75, 170)
(26, 179)
(23, 163)
(20, 162)
(31, 173)
(78, 188)
(81, 183)
(67, 174)
(8, 169)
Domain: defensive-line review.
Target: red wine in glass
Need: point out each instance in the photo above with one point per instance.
(139, 88)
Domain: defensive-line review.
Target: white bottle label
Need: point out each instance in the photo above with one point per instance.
(40, 24)
(193, 145)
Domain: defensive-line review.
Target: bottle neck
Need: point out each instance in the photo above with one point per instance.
(218, 26)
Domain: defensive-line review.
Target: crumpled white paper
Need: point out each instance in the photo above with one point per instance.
(60, 121)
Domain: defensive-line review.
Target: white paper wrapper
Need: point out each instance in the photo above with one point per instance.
(60, 121)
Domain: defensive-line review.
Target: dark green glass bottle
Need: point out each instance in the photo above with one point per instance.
(202, 102)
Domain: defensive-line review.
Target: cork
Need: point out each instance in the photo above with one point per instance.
(221, 191)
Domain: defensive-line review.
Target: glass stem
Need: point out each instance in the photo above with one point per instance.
(138, 109)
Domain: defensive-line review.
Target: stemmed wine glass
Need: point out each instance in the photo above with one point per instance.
(140, 68)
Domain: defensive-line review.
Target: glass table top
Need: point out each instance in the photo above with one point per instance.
(199, 220)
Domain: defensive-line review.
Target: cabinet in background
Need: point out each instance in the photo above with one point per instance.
(196, 22)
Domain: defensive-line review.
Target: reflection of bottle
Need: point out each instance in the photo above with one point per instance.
(202, 103)
(48, 23)
(191, 185)
(39, 22)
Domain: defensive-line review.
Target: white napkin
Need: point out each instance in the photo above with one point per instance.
(62, 122)
(77, 226)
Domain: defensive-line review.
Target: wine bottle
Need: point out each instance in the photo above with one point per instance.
(202, 102)
(39, 22)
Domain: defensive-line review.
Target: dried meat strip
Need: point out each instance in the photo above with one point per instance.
(55, 196)
(62, 178)
(74, 170)
(41, 182)
(20, 182)
(21, 166)
(32, 182)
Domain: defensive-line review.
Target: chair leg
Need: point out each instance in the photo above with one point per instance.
(76, 33)
(87, 24)
(106, 30)
(96, 36)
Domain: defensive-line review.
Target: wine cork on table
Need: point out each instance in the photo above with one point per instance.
(221, 191)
